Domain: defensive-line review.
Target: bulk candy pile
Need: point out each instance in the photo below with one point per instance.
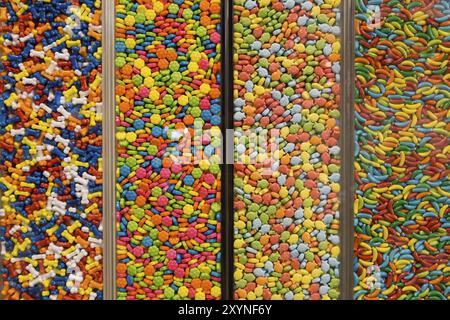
(286, 89)
(401, 208)
(168, 203)
(287, 169)
(50, 149)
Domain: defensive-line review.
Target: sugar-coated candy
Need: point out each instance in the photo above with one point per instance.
(51, 150)
(168, 176)
(402, 162)
(287, 155)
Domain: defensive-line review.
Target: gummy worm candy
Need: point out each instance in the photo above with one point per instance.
(402, 198)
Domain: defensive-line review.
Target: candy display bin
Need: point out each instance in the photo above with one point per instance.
(51, 150)
(287, 127)
(401, 150)
(224, 150)
(168, 124)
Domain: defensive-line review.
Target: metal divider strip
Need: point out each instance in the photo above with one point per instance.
(347, 151)
(109, 151)
(227, 149)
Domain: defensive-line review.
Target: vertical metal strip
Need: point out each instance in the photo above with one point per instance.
(109, 152)
(227, 166)
(347, 145)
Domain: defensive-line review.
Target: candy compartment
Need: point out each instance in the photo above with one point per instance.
(402, 183)
(51, 150)
(168, 132)
(287, 87)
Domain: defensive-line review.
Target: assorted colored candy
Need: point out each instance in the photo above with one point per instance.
(51, 149)
(168, 135)
(287, 57)
(402, 215)
(287, 167)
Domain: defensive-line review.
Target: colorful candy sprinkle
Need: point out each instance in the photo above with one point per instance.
(286, 102)
(402, 199)
(50, 150)
(168, 175)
